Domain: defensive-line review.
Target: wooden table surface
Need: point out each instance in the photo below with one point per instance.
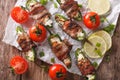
(107, 70)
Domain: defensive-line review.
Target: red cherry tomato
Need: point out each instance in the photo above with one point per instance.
(57, 72)
(91, 20)
(19, 14)
(38, 33)
(19, 64)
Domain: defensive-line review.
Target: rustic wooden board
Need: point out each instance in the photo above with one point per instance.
(107, 70)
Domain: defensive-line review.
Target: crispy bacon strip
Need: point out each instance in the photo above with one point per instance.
(70, 27)
(71, 8)
(25, 42)
(61, 49)
(84, 65)
(39, 13)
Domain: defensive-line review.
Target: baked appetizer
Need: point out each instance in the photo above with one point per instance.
(70, 27)
(71, 8)
(39, 13)
(61, 48)
(26, 43)
(84, 65)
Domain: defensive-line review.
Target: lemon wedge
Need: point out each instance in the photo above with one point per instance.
(106, 36)
(99, 6)
(98, 47)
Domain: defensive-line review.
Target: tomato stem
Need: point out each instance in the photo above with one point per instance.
(59, 74)
(92, 18)
(38, 31)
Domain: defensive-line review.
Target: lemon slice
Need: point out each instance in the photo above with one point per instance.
(99, 6)
(98, 47)
(106, 36)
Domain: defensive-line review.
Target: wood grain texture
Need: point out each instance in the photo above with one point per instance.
(107, 70)
(6, 51)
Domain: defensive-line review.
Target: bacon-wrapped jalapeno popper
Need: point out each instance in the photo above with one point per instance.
(39, 13)
(61, 48)
(84, 65)
(73, 29)
(26, 43)
(71, 8)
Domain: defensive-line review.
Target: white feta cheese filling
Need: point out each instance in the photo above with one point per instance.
(55, 39)
(80, 35)
(62, 1)
(80, 56)
(48, 22)
(30, 55)
(91, 77)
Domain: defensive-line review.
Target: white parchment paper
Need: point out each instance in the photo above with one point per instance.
(11, 36)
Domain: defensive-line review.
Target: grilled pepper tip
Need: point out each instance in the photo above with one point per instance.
(61, 17)
(52, 36)
(78, 17)
(19, 30)
(77, 52)
(81, 36)
(30, 55)
(29, 3)
(90, 77)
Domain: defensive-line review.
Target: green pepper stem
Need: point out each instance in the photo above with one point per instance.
(48, 30)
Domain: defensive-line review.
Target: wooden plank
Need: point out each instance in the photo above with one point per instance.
(6, 51)
(111, 70)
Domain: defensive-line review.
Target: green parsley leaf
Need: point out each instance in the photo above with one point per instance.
(46, 68)
(108, 58)
(80, 5)
(98, 44)
(19, 29)
(55, 5)
(95, 64)
(59, 1)
(102, 19)
(41, 54)
(98, 52)
(53, 60)
(43, 2)
(109, 28)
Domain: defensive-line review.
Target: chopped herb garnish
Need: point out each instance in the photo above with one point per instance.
(98, 45)
(41, 54)
(108, 58)
(43, 2)
(109, 28)
(80, 5)
(102, 19)
(95, 64)
(46, 68)
(55, 5)
(98, 52)
(19, 29)
(53, 60)
(77, 52)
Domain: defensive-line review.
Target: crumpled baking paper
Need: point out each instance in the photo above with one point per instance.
(11, 35)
